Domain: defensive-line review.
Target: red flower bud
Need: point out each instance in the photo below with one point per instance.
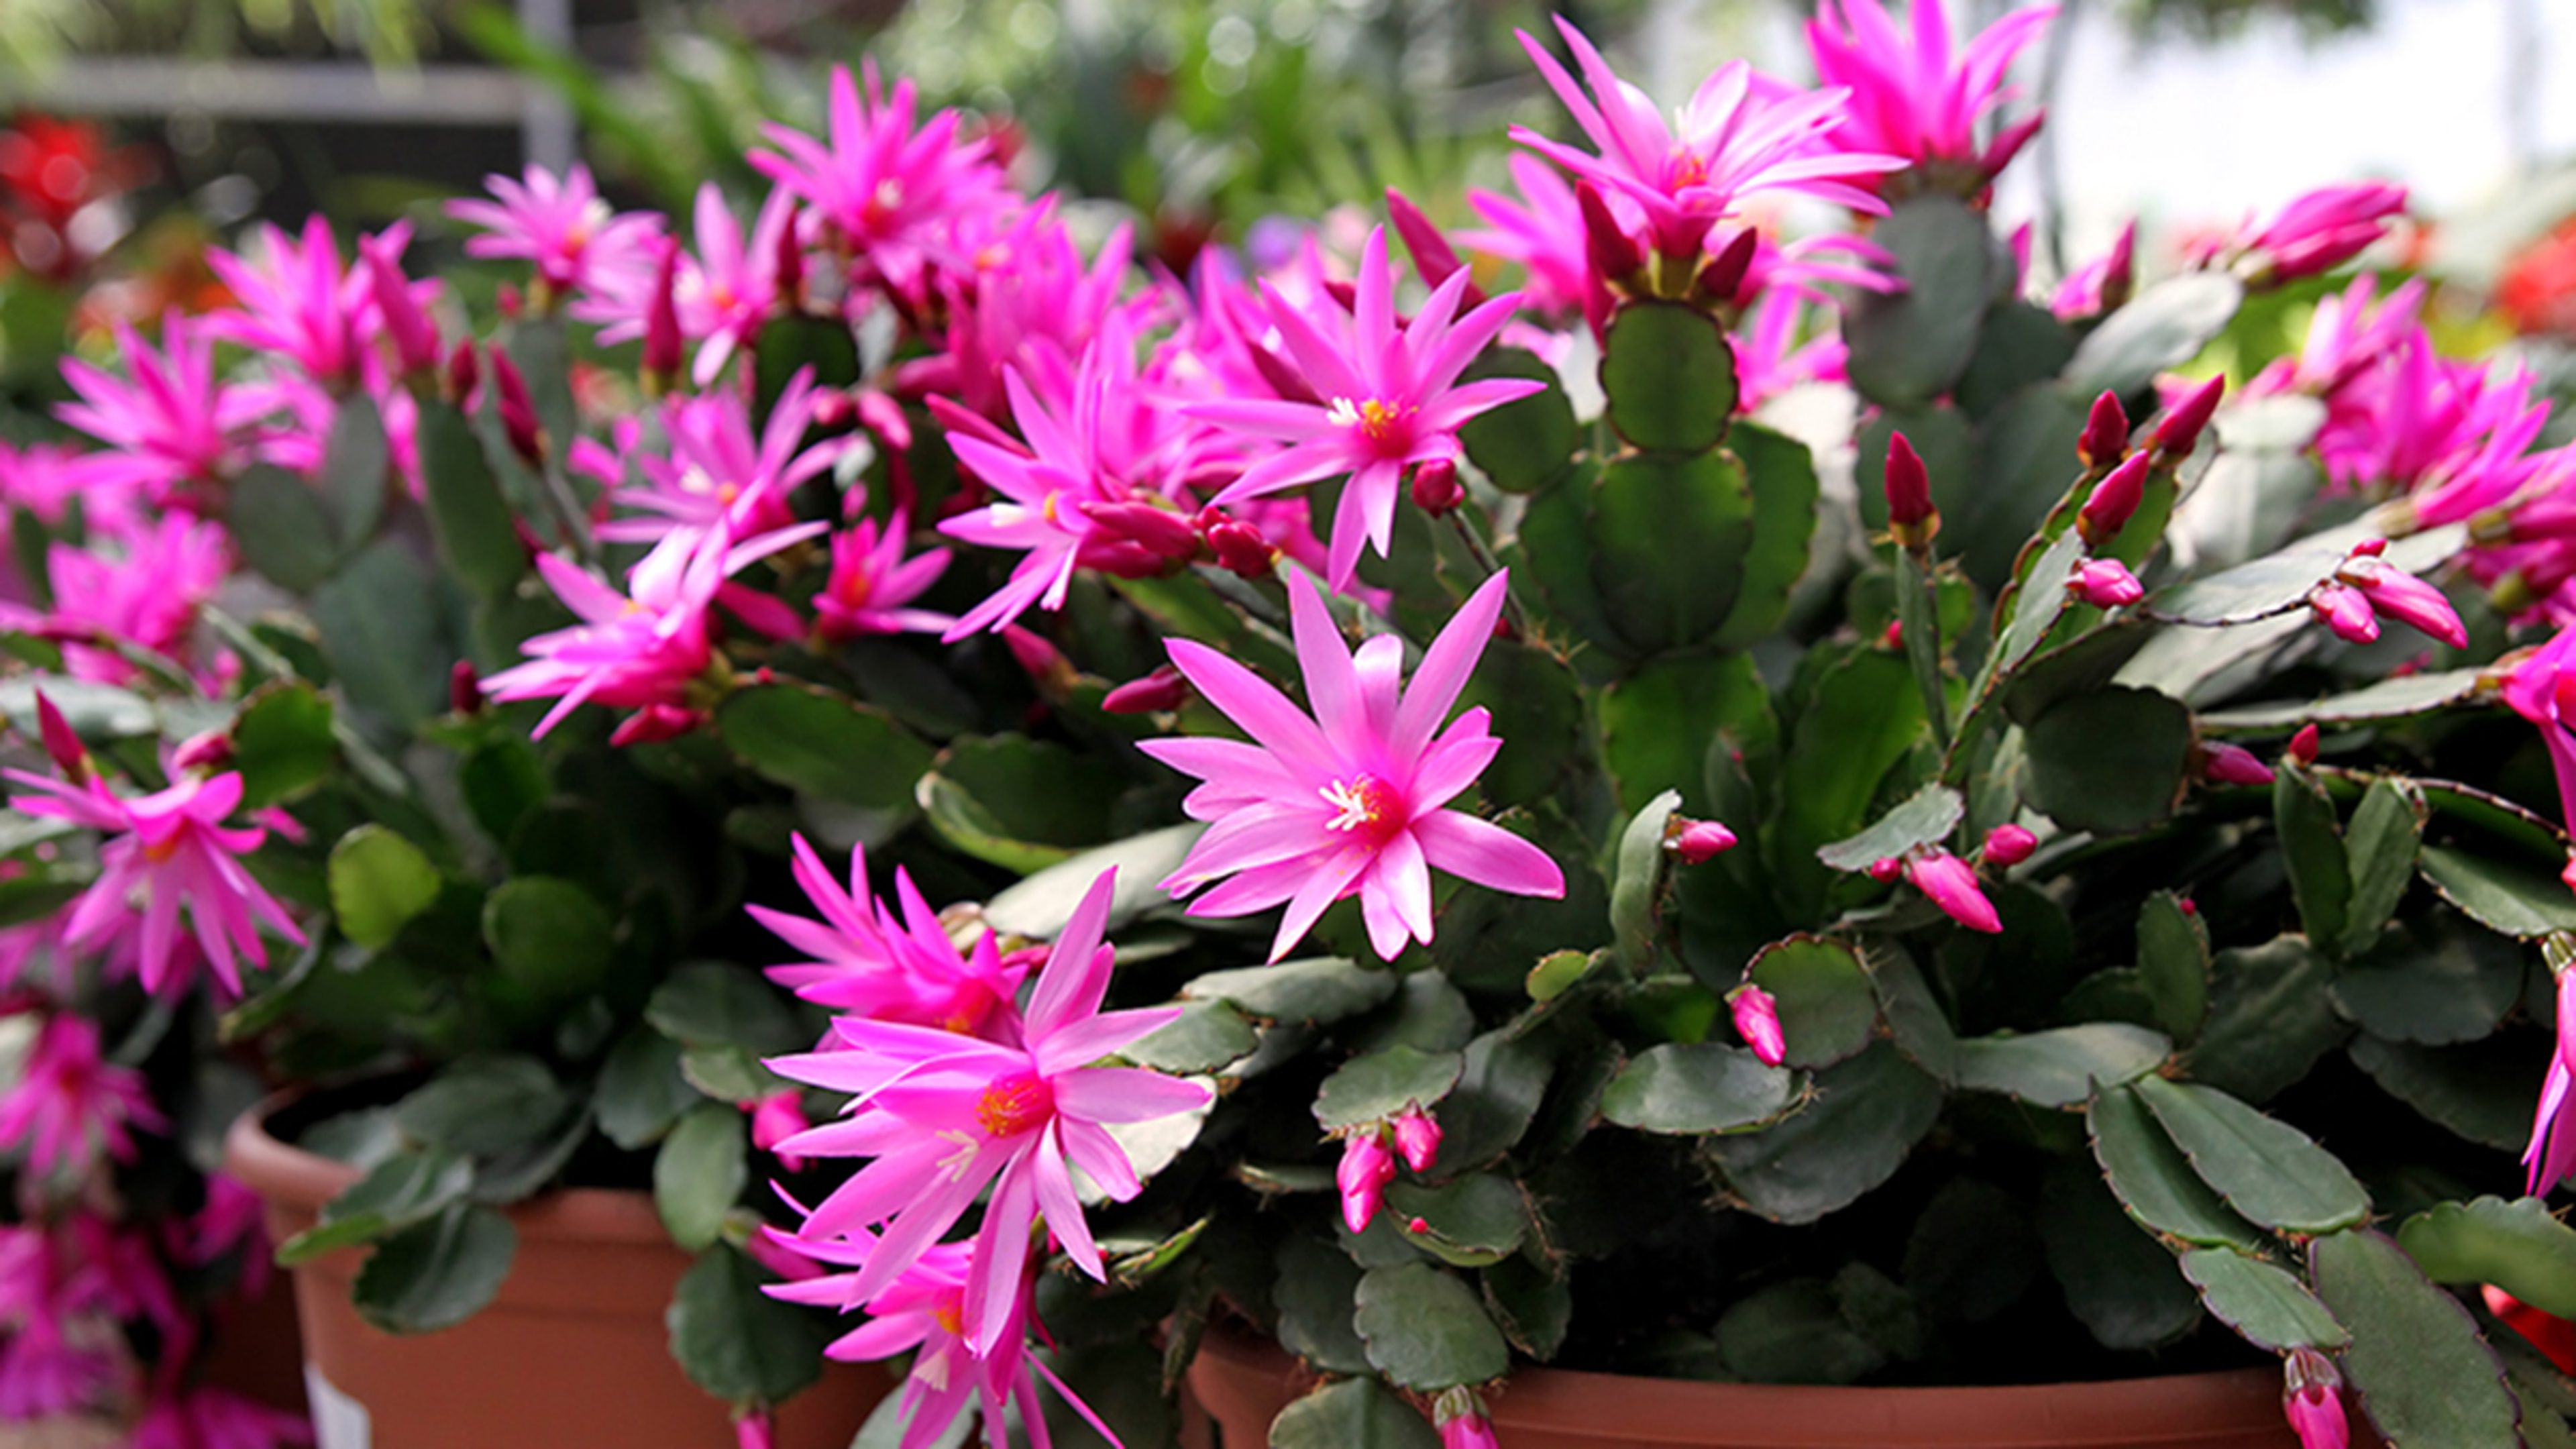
(2007, 846)
(789, 263)
(2180, 430)
(2303, 745)
(1436, 489)
(64, 746)
(518, 410)
(462, 373)
(1757, 1020)
(1724, 275)
(655, 723)
(2106, 433)
(1615, 255)
(1697, 840)
(464, 689)
(1153, 693)
(1885, 869)
(1433, 257)
(2114, 498)
(1909, 487)
(662, 359)
(1158, 531)
(1239, 547)
(2232, 765)
(1417, 1138)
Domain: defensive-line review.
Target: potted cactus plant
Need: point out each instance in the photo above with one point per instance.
(1779, 819)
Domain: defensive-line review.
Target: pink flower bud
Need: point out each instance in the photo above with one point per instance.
(1367, 1167)
(2105, 583)
(2222, 764)
(1697, 840)
(2119, 269)
(1757, 1020)
(1417, 1226)
(751, 1431)
(1952, 885)
(1047, 668)
(1158, 531)
(415, 337)
(1724, 275)
(2106, 433)
(1885, 869)
(1417, 1138)
(1433, 257)
(2345, 611)
(1239, 547)
(789, 262)
(518, 410)
(462, 373)
(2107, 511)
(1461, 1418)
(2403, 597)
(205, 753)
(774, 1119)
(1436, 489)
(464, 690)
(655, 723)
(1893, 636)
(1909, 488)
(1615, 255)
(2180, 430)
(662, 359)
(2007, 846)
(1153, 693)
(61, 744)
(2312, 1400)
(2303, 745)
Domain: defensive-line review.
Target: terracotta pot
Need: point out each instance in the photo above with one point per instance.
(571, 1352)
(1242, 1382)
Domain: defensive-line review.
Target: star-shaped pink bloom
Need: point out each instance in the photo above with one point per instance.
(70, 1104)
(720, 475)
(1910, 96)
(1348, 801)
(883, 964)
(174, 427)
(298, 300)
(560, 225)
(946, 1115)
(871, 582)
(1388, 398)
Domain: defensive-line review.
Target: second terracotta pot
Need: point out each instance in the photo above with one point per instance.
(572, 1351)
(1241, 1383)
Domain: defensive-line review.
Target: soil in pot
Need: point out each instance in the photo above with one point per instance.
(572, 1351)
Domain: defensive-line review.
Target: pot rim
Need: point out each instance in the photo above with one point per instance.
(293, 1177)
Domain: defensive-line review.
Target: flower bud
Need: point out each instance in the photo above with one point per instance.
(2105, 583)
(1952, 885)
(2303, 745)
(1047, 668)
(1436, 489)
(1417, 1138)
(1433, 257)
(1615, 256)
(1462, 1421)
(1154, 693)
(1158, 531)
(1239, 547)
(2346, 611)
(2106, 433)
(2180, 430)
(415, 336)
(1696, 840)
(518, 410)
(655, 723)
(2007, 846)
(2400, 595)
(752, 1430)
(2222, 764)
(61, 744)
(662, 359)
(462, 373)
(774, 1119)
(2312, 1400)
(2119, 269)
(2107, 511)
(1885, 869)
(464, 690)
(1367, 1167)
(788, 265)
(1910, 514)
(1757, 1020)
(1724, 275)
(204, 753)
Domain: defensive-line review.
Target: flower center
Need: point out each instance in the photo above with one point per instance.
(1368, 807)
(1015, 1104)
(950, 1313)
(1387, 425)
(159, 852)
(1684, 167)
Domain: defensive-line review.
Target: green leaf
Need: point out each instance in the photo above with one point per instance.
(2036, 607)
(737, 1342)
(1669, 536)
(641, 1092)
(1474, 1222)
(1498, 1093)
(383, 632)
(1020, 804)
(502, 781)
(1794, 1333)
(2470, 1090)
(2024, 461)
(1926, 818)
(1864, 716)
(1828, 1009)
(2389, 699)
(1669, 378)
(408, 1187)
(283, 743)
(1316, 989)
(801, 340)
(1427, 1330)
(1922, 1032)
(1863, 1123)
(1039, 906)
(2111, 762)
(551, 941)
(2153, 1179)
(1314, 1295)
(1382, 1084)
(2312, 848)
(1527, 441)
(2519, 1246)
(2173, 964)
(484, 1105)
(824, 745)
(1911, 346)
(1638, 880)
(1657, 724)
(2269, 1019)
(2425, 1378)
(1207, 1035)
(2162, 327)
(728, 1073)
(523, 1171)
(1356, 1413)
(1538, 715)
(2380, 846)
(1555, 541)
(2062, 1067)
(2511, 898)
(700, 1172)
(1558, 971)
(379, 882)
(2119, 1281)
(1696, 1089)
(2265, 1169)
(2267, 1307)
(2437, 982)
(281, 527)
(356, 469)
(1532, 1306)
(476, 533)
(708, 1002)
(438, 1273)
(2022, 344)
(1971, 1254)
(1782, 473)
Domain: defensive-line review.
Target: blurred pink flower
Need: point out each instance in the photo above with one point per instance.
(146, 593)
(70, 1104)
(1543, 231)
(722, 292)
(560, 225)
(173, 429)
(2311, 233)
(719, 475)
(871, 582)
(1348, 801)
(1910, 96)
(299, 302)
(213, 1418)
(1951, 884)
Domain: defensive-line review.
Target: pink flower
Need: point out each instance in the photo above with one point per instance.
(1366, 1168)
(774, 1119)
(2552, 1153)
(1025, 300)
(720, 475)
(58, 1353)
(2100, 285)
(871, 582)
(174, 430)
(882, 965)
(1347, 802)
(297, 301)
(946, 1115)
(559, 225)
(1387, 399)
(2312, 1400)
(70, 1104)
(1910, 97)
(2105, 583)
(1951, 884)
(2312, 233)
(1769, 357)
(1417, 1138)
(167, 851)
(1740, 135)
(891, 191)
(148, 593)
(719, 296)
(213, 1418)
(1757, 1020)
(1543, 232)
